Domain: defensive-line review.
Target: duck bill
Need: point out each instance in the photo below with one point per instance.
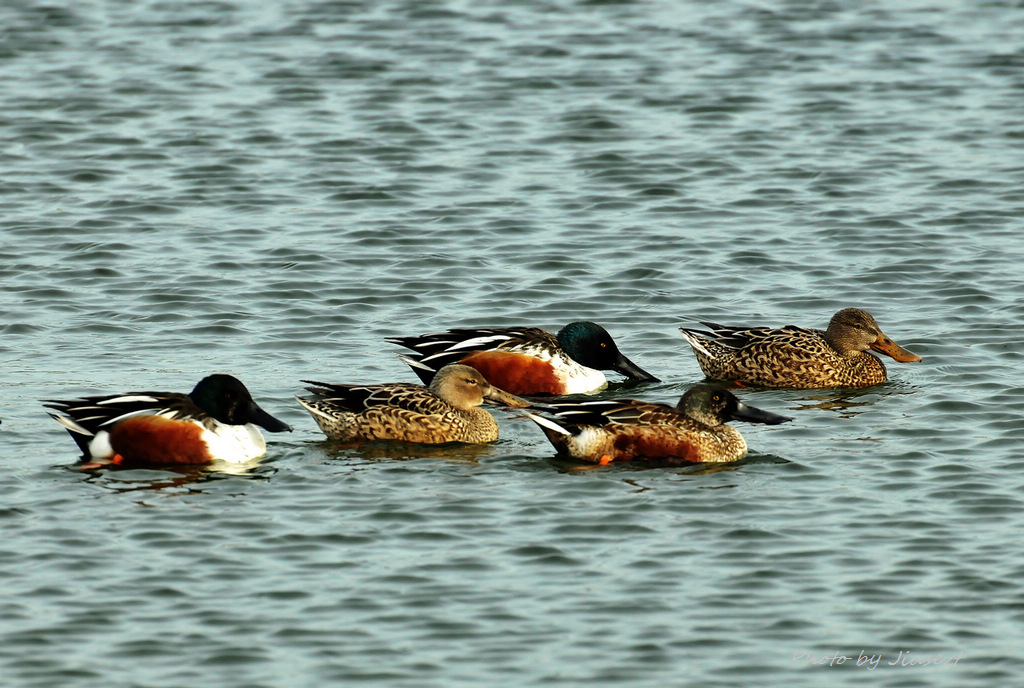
(752, 414)
(266, 421)
(626, 367)
(500, 396)
(890, 348)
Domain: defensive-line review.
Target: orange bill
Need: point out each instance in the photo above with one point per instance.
(890, 348)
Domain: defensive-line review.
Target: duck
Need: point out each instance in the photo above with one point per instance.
(216, 421)
(526, 360)
(798, 357)
(603, 431)
(446, 411)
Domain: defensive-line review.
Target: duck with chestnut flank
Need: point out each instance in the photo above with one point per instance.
(692, 431)
(217, 420)
(526, 360)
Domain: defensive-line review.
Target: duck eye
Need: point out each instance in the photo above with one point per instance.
(717, 397)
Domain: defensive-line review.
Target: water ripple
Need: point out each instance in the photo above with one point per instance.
(272, 191)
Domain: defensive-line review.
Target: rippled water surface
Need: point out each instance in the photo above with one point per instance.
(271, 189)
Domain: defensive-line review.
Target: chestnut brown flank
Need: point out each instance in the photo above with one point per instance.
(515, 373)
(652, 445)
(158, 440)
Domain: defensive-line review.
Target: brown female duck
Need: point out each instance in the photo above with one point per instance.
(447, 411)
(799, 357)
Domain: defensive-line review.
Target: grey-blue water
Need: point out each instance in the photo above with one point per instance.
(271, 189)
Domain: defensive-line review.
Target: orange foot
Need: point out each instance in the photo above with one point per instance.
(604, 460)
(115, 460)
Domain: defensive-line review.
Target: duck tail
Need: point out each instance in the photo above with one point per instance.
(422, 370)
(695, 339)
(547, 425)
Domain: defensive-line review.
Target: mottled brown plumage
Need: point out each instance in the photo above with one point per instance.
(692, 431)
(798, 357)
(448, 411)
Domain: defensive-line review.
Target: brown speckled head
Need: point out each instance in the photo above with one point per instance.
(464, 388)
(853, 330)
